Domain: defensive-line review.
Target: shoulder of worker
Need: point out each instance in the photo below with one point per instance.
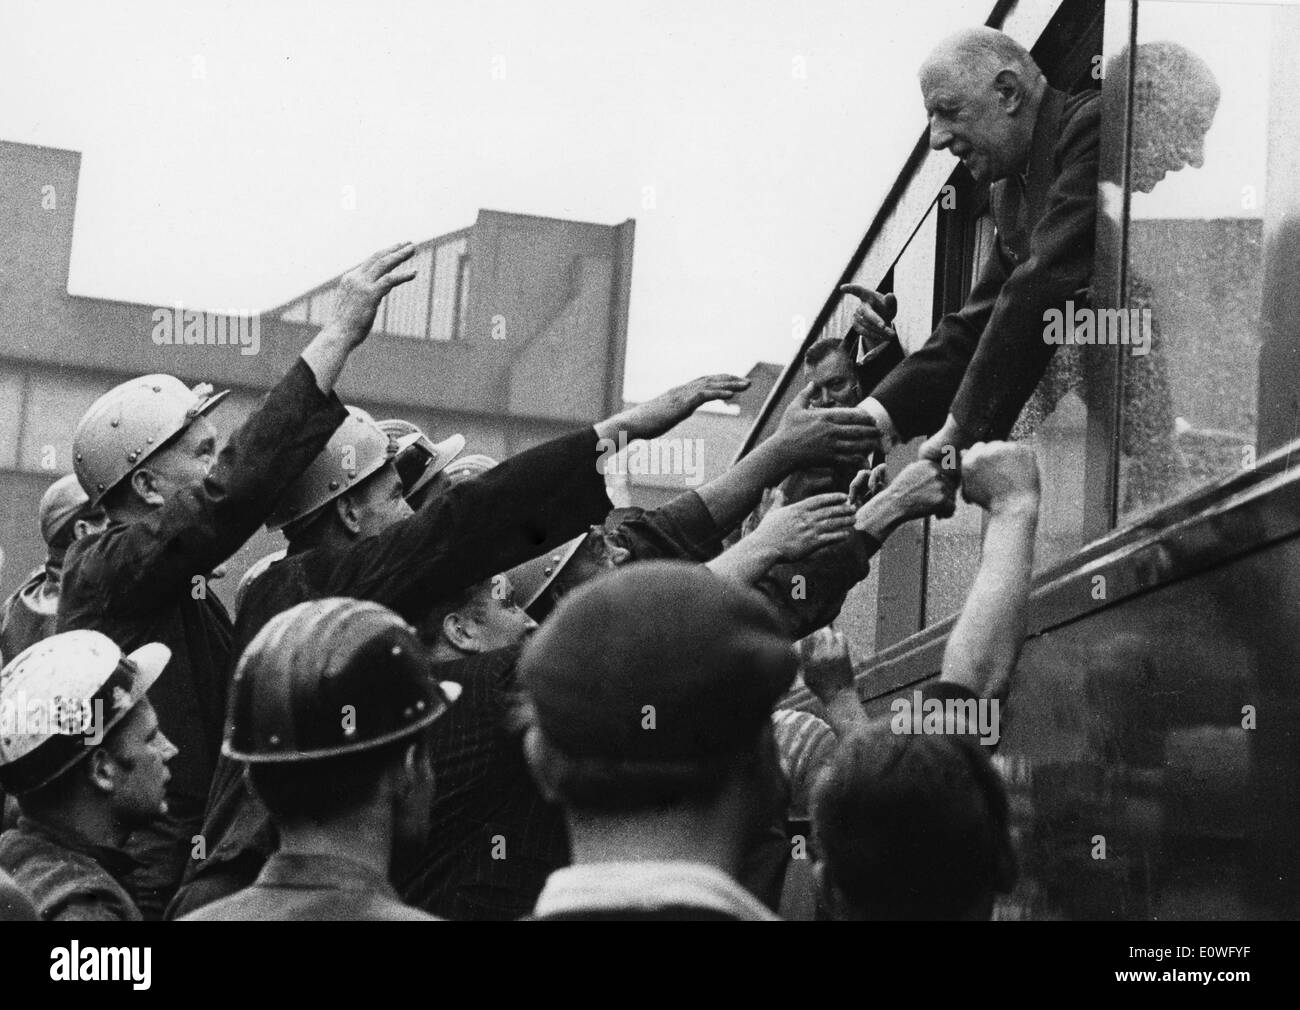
(65, 885)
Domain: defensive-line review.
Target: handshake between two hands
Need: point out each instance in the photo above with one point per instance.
(997, 476)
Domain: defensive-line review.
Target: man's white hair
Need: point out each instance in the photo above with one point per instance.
(980, 54)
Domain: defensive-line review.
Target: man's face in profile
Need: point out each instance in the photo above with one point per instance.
(971, 118)
(835, 383)
(1169, 133)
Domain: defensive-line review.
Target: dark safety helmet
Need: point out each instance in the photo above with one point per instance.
(326, 678)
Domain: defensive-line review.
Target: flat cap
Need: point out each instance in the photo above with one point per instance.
(62, 502)
(657, 661)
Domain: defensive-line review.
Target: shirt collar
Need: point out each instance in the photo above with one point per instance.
(647, 886)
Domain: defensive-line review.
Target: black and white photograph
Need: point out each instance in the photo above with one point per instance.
(648, 461)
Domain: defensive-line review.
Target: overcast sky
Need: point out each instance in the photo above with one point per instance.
(751, 141)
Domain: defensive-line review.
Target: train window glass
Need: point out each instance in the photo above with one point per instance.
(1198, 185)
(914, 284)
(1054, 422)
(953, 543)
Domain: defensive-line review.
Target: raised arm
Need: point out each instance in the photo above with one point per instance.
(135, 566)
(1002, 478)
(360, 291)
(667, 410)
(827, 671)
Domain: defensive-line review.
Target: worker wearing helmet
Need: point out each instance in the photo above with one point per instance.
(351, 532)
(30, 614)
(330, 713)
(487, 797)
(177, 509)
(81, 748)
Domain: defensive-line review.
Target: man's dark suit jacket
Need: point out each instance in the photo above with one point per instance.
(984, 360)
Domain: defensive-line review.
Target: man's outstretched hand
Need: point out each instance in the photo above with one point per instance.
(921, 489)
(944, 447)
(867, 484)
(363, 287)
(667, 410)
(801, 528)
(825, 436)
(360, 291)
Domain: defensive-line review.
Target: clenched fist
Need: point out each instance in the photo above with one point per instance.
(825, 663)
(1000, 475)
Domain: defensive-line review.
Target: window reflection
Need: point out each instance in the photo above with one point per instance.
(1196, 180)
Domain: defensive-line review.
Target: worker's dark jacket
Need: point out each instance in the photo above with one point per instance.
(30, 615)
(68, 878)
(313, 888)
(145, 581)
(983, 361)
(531, 503)
(494, 840)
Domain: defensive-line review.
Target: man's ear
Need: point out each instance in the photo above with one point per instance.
(407, 774)
(1012, 90)
(454, 630)
(345, 508)
(144, 485)
(101, 770)
(538, 766)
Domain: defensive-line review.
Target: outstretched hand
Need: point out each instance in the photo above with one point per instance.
(654, 417)
(799, 529)
(826, 436)
(363, 287)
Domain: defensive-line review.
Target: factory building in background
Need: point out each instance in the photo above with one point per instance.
(514, 331)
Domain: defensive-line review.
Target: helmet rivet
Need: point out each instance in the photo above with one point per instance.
(396, 650)
(275, 740)
(114, 423)
(419, 705)
(157, 389)
(148, 440)
(409, 712)
(334, 485)
(78, 457)
(132, 455)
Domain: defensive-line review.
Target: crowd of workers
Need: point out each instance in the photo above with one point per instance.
(470, 689)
